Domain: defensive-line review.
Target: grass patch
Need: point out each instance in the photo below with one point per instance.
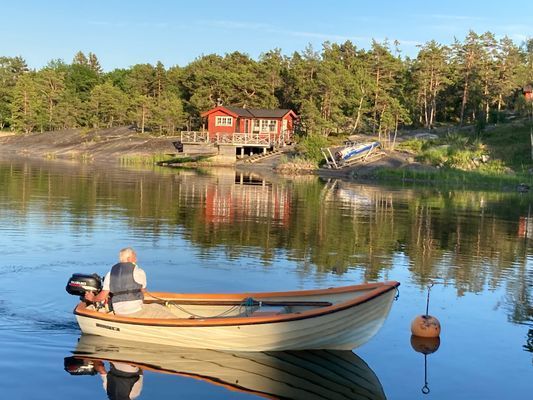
(143, 159)
(456, 178)
(411, 145)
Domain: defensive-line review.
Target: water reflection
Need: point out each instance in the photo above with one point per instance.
(529, 342)
(120, 380)
(473, 241)
(303, 375)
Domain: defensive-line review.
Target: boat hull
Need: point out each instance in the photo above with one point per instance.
(343, 326)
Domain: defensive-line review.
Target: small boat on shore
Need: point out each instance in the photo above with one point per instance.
(351, 153)
(336, 318)
(305, 375)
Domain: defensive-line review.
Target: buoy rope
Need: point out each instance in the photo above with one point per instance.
(427, 301)
(425, 388)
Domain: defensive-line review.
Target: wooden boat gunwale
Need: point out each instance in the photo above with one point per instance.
(376, 290)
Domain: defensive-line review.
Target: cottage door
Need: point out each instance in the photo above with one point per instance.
(284, 133)
(246, 125)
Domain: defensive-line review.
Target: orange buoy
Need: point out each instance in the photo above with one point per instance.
(425, 326)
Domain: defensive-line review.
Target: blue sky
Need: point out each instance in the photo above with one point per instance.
(124, 33)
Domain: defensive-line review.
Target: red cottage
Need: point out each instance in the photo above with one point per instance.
(275, 126)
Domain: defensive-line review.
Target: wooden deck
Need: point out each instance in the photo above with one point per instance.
(237, 139)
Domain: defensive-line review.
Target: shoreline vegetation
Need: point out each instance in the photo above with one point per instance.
(497, 158)
(454, 113)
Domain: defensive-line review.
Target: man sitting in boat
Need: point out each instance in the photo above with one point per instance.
(126, 283)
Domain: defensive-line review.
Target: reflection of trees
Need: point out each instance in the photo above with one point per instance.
(466, 238)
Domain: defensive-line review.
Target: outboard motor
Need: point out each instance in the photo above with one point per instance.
(79, 284)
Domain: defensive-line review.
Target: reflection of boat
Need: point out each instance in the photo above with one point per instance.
(335, 318)
(319, 374)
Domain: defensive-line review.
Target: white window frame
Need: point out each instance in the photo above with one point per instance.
(265, 125)
(223, 121)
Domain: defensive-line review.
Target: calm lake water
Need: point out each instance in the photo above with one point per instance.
(224, 231)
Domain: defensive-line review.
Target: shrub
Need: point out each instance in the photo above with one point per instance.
(411, 145)
(434, 155)
(456, 139)
(311, 146)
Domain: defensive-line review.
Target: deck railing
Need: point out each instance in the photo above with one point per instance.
(237, 138)
(194, 137)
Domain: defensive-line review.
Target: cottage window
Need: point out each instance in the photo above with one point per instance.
(267, 126)
(224, 121)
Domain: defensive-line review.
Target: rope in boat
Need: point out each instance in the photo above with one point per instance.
(248, 304)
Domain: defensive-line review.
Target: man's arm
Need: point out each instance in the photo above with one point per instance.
(104, 293)
(102, 296)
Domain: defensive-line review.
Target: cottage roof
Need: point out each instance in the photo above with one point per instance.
(258, 112)
(253, 112)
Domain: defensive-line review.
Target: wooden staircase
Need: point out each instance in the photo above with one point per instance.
(259, 157)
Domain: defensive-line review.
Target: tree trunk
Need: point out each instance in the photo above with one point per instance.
(50, 112)
(358, 118)
(426, 116)
(376, 96)
(463, 102)
(143, 114)
(395, 133)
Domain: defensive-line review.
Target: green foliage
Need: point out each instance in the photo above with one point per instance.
(411, 145)
(108, 106)
(434, 156)
(491, 175)
(336, 90)
(310, 147)
(456, 139)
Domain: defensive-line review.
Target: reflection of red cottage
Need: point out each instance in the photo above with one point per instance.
(277, 125)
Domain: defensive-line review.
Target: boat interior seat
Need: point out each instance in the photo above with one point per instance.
(268, 311)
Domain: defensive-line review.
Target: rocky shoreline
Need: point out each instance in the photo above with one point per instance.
(112, 145)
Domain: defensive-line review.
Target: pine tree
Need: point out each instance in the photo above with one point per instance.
(94, 64)
(80, 59)
(51, 84)
(11, 68)
(108, 106)
(26, 108)
(430, 74)
(507, 69)
(466, 64)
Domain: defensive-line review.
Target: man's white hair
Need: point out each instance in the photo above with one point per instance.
(126, 253)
